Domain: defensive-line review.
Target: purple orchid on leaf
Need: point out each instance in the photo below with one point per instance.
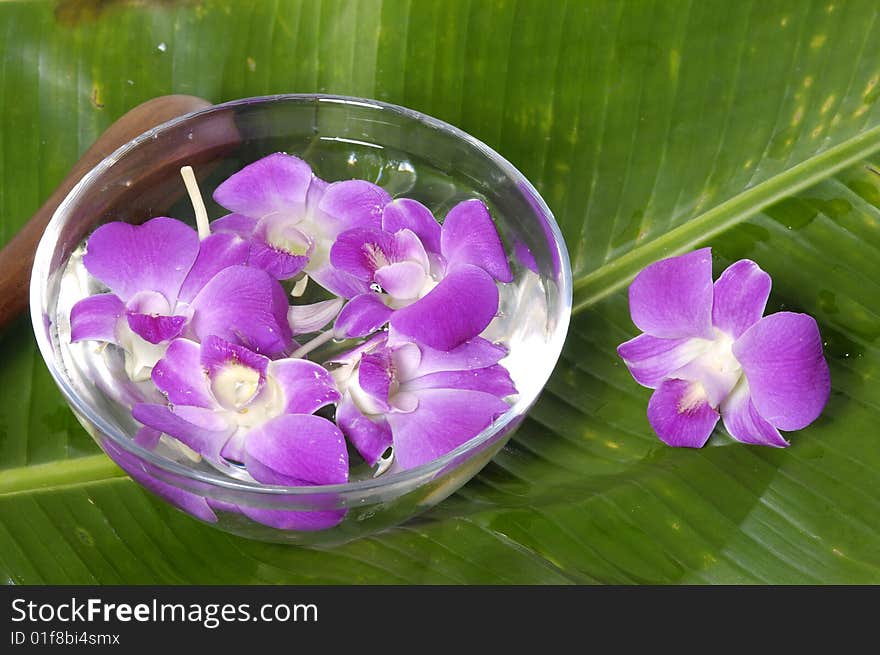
(709, 353)
(420, 402)
(436, 285)
(232, 405)
(165, 283)
(291, 217)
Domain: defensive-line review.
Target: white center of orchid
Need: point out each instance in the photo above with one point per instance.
(428, 286)
(693, 397)
(140, 355)
(719, 356)
(248, 403)
(235, 385)
(715, 369)
(151, 303)
(322, 238)
(721, 368)
(375, 255)
(287, 238)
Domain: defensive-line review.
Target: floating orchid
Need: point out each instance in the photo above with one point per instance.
(707, 351)
(232, 405)
(219, 393)
(165, 283)
(291, 217)
(436, 285)
(204, 316)
(419, 401)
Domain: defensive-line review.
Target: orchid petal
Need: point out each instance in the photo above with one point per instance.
(149, 302)
(445, 419)
(743, 422)
(371, 437)
(217, 353)
(408, 214)
(375, 375)
(155, 256)
(216, 252)
(223, 506)
(316, 191)
(96, 318)
(278, 263)
(339, 283)
(402, 280)
(469, 236)
(180, 376)
(475, 353)
(296, 450)
(279, 248)
(155, 329)
(362, 315)
(242, 304)
(277, 183)
(361, 251)
(457, 309)
(524, 256)
(492, 379)
(304, 319)
(672, 298)
(239, 224)
(306, 386)
(407, 247)
(233, 449)
(353, 203)
(740, 296)
(201, 429)
(406, 360)
(788, 377)
(650, 360)
(681, 415)
(303, 521)
(147, 438)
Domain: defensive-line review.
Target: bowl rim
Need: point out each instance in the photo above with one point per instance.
(518, 408)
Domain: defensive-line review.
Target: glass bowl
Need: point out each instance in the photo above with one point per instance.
(409, 154)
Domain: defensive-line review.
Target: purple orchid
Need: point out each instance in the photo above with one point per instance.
(232, 405)
(291, 217)
(165, 283)
(204, 316)
(708, 352)
(421, 402)
(436, 285)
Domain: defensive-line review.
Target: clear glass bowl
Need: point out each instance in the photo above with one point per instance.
(408, 153)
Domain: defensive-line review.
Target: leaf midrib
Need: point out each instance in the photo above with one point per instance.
(78, 471)
(612, 276)
(589, 288)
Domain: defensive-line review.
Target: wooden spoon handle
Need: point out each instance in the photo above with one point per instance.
(17, 257)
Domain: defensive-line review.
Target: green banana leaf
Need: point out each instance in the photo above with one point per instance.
(651, 128)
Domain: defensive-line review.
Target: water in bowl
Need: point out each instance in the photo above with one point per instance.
(523, 323)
